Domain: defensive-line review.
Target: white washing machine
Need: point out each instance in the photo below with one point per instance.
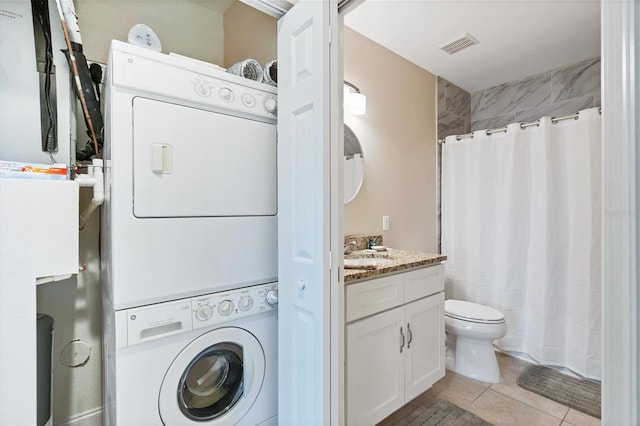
(208, 360)
(190, 179)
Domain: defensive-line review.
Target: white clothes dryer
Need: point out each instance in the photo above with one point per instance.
(190, 179)
(209, 360)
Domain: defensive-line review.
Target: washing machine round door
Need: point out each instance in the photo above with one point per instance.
(215, 379)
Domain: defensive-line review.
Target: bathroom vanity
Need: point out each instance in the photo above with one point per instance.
(394, 334)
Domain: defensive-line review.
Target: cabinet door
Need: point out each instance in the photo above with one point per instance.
(375, 377)
(424, 357)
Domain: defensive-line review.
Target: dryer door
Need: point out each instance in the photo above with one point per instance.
(214, 380)
(189, 162)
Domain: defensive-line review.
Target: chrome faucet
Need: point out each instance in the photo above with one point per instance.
(349, 247)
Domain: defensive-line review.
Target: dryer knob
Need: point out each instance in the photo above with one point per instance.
(248, 100)
(225, 307)
(204, 312)
(272, 297)
(271, 105)
(226, 94)
(202, 89)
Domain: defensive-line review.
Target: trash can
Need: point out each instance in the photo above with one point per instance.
(43, 368)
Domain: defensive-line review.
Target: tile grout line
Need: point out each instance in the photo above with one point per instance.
(481, 393)
(468, 408)
(536, 408)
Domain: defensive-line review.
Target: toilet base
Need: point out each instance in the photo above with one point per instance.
(473, 358)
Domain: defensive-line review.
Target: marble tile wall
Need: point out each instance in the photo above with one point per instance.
(554, 93)
(454, 109)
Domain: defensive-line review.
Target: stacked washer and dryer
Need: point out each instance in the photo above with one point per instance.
(189, 243)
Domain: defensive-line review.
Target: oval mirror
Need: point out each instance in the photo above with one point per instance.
(353, 164)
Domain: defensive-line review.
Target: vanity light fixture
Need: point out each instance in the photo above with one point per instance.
(354, 102)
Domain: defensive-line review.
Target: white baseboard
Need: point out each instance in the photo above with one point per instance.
(88, 418)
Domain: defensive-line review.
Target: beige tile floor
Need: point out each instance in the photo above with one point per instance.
(503, 404)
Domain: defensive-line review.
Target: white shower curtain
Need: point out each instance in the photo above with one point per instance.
(521, 227)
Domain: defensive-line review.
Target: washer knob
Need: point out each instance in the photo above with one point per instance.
(271, 105)
(204, 312)
(246, 303)
(272, 297)
(225, 307)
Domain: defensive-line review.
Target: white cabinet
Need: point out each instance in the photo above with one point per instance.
(396, 352)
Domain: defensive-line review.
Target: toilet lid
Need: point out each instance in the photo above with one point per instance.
(471, 311)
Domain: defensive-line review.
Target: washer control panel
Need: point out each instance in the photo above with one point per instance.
(215, 308)
(151, 322)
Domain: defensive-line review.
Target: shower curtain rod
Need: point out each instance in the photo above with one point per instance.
(536, 123)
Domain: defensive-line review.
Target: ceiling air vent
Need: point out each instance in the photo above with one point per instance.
(459, 43)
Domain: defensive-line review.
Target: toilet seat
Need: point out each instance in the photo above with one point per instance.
(472, 312)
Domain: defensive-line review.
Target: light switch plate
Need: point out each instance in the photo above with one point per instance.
(385, 223)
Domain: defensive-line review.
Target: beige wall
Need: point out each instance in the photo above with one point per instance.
(183, 27)
(75, 304)
(249, 33)
(398, 139)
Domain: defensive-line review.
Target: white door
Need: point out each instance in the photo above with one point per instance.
(376, 348)
(304, 211)
(424, 359)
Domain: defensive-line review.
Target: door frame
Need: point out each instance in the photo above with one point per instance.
(620, 32)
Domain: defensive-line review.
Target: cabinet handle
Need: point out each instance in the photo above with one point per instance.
(401, 335)
(410, 333)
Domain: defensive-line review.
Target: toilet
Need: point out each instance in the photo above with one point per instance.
(471, 329)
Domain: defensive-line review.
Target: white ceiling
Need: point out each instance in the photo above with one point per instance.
(518, 38)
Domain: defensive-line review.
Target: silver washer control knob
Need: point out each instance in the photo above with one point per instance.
(225, 307)
(246, 303)
(204, 312)
(272, 297)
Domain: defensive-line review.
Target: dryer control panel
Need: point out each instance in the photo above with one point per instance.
(138, 325)
(165, 76)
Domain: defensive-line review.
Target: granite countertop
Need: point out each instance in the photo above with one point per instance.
(401, 260)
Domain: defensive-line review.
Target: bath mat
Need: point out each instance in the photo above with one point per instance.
(442, 413)
(575, 393)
